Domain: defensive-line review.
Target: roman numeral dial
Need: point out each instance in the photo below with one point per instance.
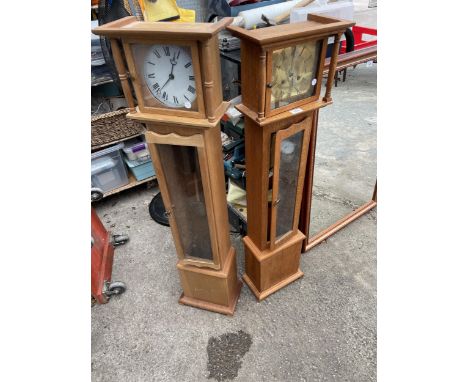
(169, 75)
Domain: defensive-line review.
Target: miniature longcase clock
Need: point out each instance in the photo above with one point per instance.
(282, 70)
(174, 70)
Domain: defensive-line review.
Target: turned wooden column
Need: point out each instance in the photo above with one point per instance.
(123, 76)
(332, 68)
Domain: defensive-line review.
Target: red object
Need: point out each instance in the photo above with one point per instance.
(359, 43)
(102, 258)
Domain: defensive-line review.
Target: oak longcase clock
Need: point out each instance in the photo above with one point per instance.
(174, 71)
(282, 71)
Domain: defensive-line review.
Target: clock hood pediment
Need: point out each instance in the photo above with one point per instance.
(130, 27)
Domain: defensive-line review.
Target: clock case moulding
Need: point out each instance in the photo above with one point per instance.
(272, 261)
(209, 283)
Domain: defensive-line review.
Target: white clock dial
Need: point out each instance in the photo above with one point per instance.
(168, 72)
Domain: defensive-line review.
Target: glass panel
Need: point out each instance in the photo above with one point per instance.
(230, 74)
(290, 158)
(294, 73)
(166, 75)
(346, 151)
(182, 172)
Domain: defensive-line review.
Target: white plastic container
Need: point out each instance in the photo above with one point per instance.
(343, 9)
(108, 170)
(252, 17)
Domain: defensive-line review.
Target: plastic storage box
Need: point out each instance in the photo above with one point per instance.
(141, 170)
(136, 149)
(343, 9)
(108, 169)
(340, 9)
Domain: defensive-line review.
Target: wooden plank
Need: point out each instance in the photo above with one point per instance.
(355, 57)
(343, 222)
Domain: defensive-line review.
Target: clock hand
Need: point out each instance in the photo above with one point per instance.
(291, 82)
(165, 83)
(171, 76)
(173, 62)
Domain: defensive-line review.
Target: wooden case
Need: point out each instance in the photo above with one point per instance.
(273, 242)
(185, 147)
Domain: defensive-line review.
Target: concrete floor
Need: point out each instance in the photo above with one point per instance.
(346, 154)
(320, 328)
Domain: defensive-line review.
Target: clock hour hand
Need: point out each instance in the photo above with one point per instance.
(165, 83)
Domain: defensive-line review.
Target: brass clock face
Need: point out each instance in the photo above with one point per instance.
(294, 73)
(167, 73)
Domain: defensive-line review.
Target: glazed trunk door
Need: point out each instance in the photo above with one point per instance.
(290, 153)
(181, 165)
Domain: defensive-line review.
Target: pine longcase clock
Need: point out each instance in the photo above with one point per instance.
(282, 71)
(174, 71)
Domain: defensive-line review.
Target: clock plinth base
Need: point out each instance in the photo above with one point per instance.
(270, 270)
(209, 289)
(262, 295)
(227, 310)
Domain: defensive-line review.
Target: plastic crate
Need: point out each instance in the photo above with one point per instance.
(341, 9)
(108, 170)
(136, 150)
(140, 170)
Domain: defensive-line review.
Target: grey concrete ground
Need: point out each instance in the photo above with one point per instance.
(346, 153)
(363, 15)
(320, 328)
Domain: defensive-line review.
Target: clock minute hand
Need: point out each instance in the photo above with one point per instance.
(171, 76)
(174, 63)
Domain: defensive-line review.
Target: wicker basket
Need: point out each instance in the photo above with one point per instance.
(112, 127)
